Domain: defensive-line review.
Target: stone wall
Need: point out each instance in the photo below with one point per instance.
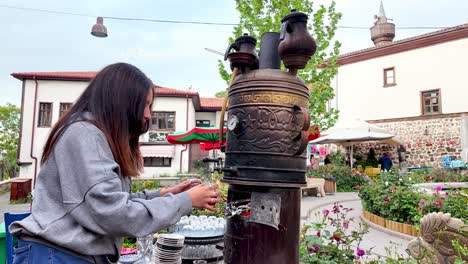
(426, 139)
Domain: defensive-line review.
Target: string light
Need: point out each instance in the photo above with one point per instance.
(175, 21)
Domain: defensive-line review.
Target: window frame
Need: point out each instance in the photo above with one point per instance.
(201, 121)
(40, 116)
(164, 165)
(157, 121)
(60, 108)
(439, 102)
(385, 77)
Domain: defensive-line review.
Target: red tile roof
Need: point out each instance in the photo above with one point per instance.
(88, 76)
(72, 76)
(207, 104)
(164, 91)
(211, 103)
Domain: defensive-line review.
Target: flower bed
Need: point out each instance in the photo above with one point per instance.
(393, 197)
(389, 224)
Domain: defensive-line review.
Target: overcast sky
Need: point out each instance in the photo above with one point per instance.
(172, 55)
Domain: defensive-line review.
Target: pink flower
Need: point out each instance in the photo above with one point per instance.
(318, 234)
(326, 212)
(438, 188)
(420, 208)
(386, 199)
(345, 224)
(360, 252)
(357, 186)
(422, 201)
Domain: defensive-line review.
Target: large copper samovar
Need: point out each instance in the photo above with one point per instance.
(265, 166)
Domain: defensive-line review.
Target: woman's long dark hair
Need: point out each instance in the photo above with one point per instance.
(116, 98)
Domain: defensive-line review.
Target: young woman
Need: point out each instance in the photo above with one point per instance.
(83, 204)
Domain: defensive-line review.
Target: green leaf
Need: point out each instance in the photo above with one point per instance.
(259, 16)
(9, 134)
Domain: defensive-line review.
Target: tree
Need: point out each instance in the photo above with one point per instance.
(9, 133)
(220, 94)
(259, 16)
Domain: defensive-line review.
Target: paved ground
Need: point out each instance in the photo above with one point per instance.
(375, 239)
(5, 206)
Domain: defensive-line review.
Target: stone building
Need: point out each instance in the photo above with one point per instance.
(414, 87)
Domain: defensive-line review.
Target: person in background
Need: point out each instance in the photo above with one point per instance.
(327, 160)
(385, 162)
(83, 205)
(314, 163)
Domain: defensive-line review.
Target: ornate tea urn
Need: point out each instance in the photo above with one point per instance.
(267, 122)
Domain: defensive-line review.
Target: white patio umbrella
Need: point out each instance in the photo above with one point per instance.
(356, 131)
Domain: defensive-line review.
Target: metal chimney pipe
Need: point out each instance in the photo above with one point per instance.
(269, 57)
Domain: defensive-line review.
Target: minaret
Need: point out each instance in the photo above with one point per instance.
(383, 31)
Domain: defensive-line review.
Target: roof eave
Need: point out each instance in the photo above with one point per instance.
(404, 45)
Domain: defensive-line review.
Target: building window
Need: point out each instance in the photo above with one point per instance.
(163, 121)
(64, 107)
(389, 77)
(203, 123)
(45, 115)
(430, 102)
(157, 162)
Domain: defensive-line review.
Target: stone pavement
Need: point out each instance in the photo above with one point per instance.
(376, 239)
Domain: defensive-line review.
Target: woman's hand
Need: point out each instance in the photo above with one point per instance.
(204, 196)
(181, 187)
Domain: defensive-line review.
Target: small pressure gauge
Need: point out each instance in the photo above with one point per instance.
(232, 123)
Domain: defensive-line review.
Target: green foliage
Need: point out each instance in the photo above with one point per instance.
(141, 185)
(221, 94)
(338, 158)
(260, 16)
(462, 251)
(392, 257)
(221, 206)
(394, 197)
(332, 241)
(347, 179)
(201, 168)
(129, 242)
(9, 134)
(441, 175)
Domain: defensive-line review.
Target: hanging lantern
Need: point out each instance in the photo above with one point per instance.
(99, 30)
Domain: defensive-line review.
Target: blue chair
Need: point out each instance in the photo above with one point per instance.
(10, 218)
(446, 161)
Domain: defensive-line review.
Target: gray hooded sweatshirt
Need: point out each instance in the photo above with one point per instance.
(83, 204)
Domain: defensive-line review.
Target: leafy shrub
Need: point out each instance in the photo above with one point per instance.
(332, 241)
(394, 197)
(141, 185)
